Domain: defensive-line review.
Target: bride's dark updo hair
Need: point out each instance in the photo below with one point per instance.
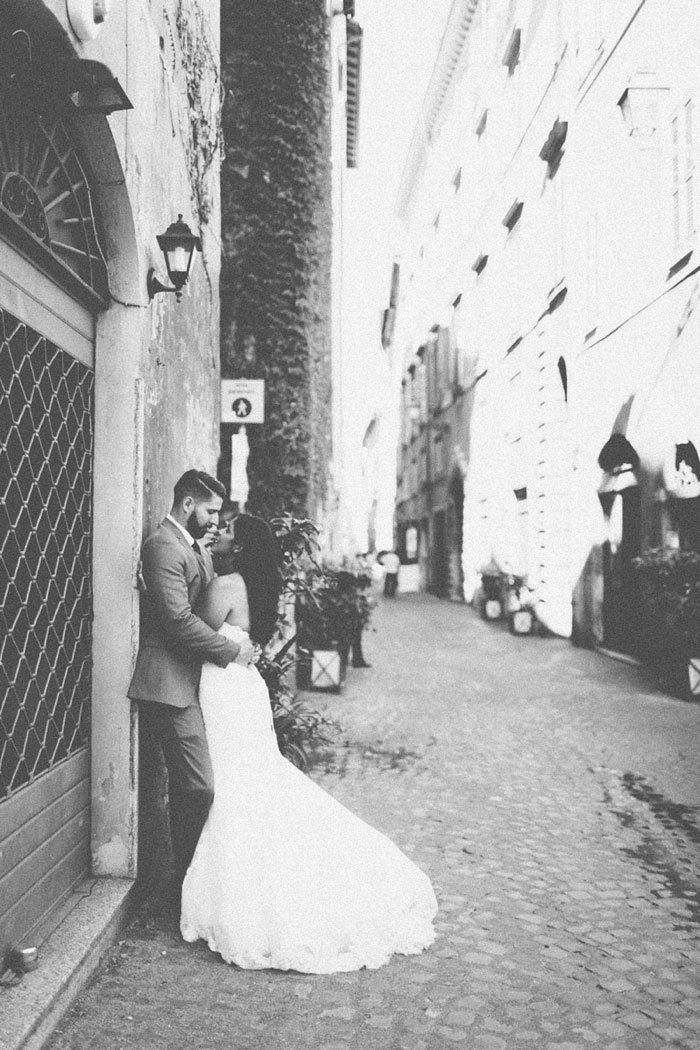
(257, 560)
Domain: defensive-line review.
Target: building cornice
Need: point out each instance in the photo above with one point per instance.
(451, 48)
(354, 58)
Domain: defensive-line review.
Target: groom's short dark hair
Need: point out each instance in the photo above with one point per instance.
(198, 485)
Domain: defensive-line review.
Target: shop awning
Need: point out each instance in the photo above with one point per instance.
(618, 455)
(684, 482)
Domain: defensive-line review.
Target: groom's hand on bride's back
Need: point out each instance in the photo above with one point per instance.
(246, 652)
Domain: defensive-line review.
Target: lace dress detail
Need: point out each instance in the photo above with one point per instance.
(284, 876)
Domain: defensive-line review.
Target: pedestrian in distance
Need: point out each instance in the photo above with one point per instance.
(391, 563)
(354, 582)
(283, 877)
(174, 642)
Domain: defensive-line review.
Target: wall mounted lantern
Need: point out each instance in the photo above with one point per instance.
(178, 245)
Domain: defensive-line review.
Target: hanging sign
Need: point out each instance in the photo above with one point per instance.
(239, 487)
(243, 401)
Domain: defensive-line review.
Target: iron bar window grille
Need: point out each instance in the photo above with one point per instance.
(46, 443)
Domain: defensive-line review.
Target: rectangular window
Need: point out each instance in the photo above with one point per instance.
(592, 268)
(435, 376)
(689, 169)
(683, 173)
(422, 393)
(446, 367)
(590, 28)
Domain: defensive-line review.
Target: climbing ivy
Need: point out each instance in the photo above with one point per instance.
(203, 133)
(276, 236)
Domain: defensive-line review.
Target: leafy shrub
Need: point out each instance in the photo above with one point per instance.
(669, 584)
(299, 728)
(669, 589)
(333, 608)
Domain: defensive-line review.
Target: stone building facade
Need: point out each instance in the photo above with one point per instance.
(107, 397)
(549, 202)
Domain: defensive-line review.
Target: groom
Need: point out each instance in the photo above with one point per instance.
(174, 644)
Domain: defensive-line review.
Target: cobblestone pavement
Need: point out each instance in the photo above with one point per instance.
(552, 794)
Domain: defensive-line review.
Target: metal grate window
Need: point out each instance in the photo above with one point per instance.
(46, 435)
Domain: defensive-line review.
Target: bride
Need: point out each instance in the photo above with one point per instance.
(284, 876)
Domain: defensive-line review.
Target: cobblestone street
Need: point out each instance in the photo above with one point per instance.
(553, 796)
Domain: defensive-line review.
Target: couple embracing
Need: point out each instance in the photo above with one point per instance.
(273, 872)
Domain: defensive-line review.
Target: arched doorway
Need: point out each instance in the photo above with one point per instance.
(439, 555)
(53, 280)
(455, 520)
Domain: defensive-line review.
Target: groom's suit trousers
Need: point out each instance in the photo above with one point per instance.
(180, 733)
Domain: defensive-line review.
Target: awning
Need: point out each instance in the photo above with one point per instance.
(684, 479)
(617, 454)
(618, 460)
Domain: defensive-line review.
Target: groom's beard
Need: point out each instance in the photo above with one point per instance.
(194, 528)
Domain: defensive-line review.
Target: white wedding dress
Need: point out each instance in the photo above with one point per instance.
(284, 876)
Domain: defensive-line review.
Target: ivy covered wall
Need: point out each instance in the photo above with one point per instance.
(276, 234)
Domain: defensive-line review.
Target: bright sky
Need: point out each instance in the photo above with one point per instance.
(400, 42)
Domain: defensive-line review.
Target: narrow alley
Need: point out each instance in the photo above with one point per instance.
(551, 793)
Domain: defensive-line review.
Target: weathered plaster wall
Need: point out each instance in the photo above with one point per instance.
(157, 365)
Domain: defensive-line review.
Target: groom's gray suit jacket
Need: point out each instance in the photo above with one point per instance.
(174, 640)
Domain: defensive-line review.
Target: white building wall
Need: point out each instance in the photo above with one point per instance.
(583, 277)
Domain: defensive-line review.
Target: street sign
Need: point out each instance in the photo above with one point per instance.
(243, 401)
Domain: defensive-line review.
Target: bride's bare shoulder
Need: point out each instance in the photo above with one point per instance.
(231, 584)
(223, 598)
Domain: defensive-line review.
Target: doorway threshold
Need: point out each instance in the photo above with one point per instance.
(624, 658)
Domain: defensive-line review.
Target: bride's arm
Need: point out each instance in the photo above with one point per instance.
(225, 600)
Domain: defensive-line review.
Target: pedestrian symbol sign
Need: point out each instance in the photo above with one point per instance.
(241, 408)
(243, 401)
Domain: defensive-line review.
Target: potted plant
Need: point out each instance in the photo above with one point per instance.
(299, 729)
(489, 597)
(331, 614)
(669, 587)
